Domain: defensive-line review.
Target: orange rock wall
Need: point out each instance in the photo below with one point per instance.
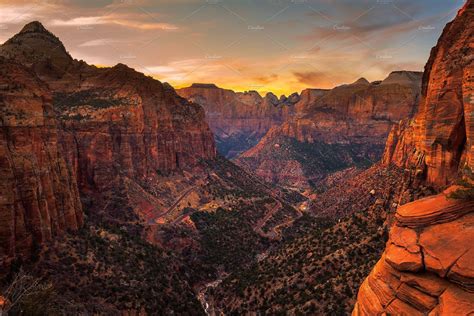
(440, 137)
(426, 268)
(70, 128)
(427, 264)
(39, 196)
(233, 115)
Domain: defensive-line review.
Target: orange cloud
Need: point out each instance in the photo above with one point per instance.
(113, 19)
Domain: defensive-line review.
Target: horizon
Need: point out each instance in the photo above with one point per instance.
(325, 46)
(261, 94)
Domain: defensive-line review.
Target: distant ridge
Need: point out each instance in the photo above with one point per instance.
(204, 85)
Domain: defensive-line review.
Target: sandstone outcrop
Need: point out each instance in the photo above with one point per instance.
(426, 268)
(239, 119)
(427, 264)
(349, 123)
(39, 196)
(122, 123)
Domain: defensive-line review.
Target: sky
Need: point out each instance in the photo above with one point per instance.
(282, 46)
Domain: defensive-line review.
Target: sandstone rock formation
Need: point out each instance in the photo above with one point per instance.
(82, 128)
(427, 264)
(239, 119)
(39, 195)
(122, 123)
(348, 125)
(439, 140)
(114, 120)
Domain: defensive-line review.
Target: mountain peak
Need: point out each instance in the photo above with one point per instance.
(361, 81)
(34, 27)
(35, 44)
(403, 77)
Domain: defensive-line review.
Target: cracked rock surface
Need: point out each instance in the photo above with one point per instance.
(426, 269)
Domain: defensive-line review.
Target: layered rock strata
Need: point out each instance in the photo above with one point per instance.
(239, 119)
(350, 122)
(427, 264)
(69, 127)
(439, 140)
(39, 196)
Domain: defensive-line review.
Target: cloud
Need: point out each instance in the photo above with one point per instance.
(266, 79)
(8, 14)
(312, 78)
(122, 20)
(147, 26)
(97, 42)
(12, 14)
(80, 21)
(182, 69)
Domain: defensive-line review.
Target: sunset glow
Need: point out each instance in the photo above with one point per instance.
(281, 46)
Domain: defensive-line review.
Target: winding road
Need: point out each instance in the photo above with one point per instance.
(173, 206)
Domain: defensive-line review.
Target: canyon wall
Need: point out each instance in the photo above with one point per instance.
(347, 125)
(439, 140)
(124, 124)
(39, 196)
(427, 264)
(68, 127)
(239, 119)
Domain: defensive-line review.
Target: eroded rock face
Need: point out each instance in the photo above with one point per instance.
(427, 265)
(69, 127)
(350, 121)
(123, 123)
(115, 121)
(239, 119)
(439, 140)
(39, 196)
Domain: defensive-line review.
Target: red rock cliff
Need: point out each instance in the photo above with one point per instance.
(70, 127)
(115, 121)
(39, 197)
(439, 140)
(122, 123)
(350, 121)
(358, 112)
(426, 268)
(239, 119)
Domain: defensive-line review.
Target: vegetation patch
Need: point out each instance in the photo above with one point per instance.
(95, 98)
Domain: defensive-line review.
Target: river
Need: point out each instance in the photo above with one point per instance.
(208, 305)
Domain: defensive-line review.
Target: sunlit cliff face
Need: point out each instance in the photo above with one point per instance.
(267, 45)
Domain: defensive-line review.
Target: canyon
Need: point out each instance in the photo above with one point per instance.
(421, 192)
(119, 195)
(332, 130)
(286, 141)
(107, 166)
(239, 119)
